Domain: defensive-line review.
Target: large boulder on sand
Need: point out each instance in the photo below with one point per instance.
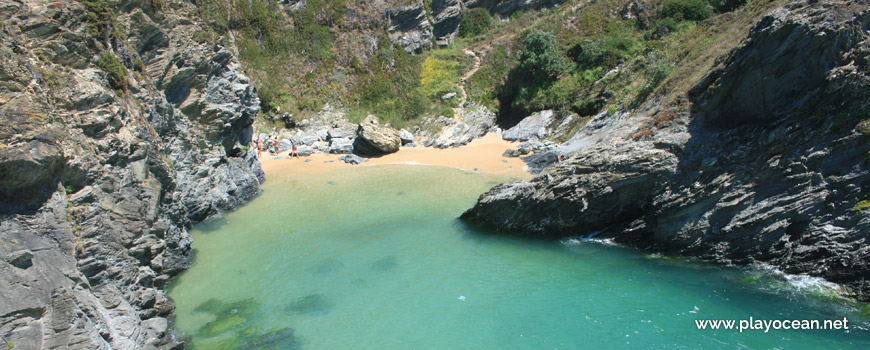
(374, 139)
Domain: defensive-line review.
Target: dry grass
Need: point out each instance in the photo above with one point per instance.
(699, 49)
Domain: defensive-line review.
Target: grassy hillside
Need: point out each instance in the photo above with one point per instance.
(600, 55)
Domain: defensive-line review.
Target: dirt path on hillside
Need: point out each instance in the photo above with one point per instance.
(459, 112)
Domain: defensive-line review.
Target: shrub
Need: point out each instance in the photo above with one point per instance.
(110, 64)
(588, 55)
(727, 5)
(691, 10)
(539, 56)
(474, 22)
(100, 18)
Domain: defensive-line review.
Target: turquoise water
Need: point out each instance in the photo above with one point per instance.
(374, 258)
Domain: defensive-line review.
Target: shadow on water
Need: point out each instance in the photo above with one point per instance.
(326, 266)
(234, 327)
(385, 264)
(310, 304)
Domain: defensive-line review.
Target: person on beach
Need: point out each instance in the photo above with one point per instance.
(294, 150)
(259, 147)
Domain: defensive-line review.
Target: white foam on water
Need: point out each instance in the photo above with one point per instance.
(576, 241)
(803, 282)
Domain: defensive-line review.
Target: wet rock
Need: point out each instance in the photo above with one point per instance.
(352, 159)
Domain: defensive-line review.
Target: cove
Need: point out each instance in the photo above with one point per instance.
(374, 258)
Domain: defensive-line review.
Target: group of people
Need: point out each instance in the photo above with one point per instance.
(270, 144)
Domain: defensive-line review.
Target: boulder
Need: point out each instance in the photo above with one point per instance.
(406, 137)
(308, 139)
(352, 159)
(322, 146)
(341, 146)
(373, 139)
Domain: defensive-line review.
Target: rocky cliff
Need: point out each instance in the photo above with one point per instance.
(765, 161)
(119, 133)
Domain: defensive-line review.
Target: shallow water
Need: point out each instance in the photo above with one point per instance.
(374, 258)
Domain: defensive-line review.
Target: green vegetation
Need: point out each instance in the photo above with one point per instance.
(475, 22)
(538, 57)
(100, 20)
(862, 205)
(110, 64)
(583, 60)
(727, 5)
(691, 10)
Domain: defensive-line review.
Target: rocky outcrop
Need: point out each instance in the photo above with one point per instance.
(410, 28)
(729, 179)
(533, 127)
(476, 122)
(504, 8)
(104, 171)
(375, 139)
(446, 15)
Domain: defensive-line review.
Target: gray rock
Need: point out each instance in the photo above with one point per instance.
(448, 96)
(533, 127)
(373, 139)
(321, 146)
(309, 140)
(510, 152)
(406, 136)
(112, 186)
(21, 259)
(409, 27)
(340, 146)
(446, 15)
(284, 145)
(352, 159)
(477, 122)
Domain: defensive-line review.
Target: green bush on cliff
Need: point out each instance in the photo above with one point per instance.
(474, 22)
(100, 18)
(116, 72)
(690, 10)
(539, 57)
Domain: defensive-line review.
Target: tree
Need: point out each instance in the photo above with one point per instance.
(539, 56)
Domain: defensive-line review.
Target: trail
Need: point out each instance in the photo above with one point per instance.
(459, 112)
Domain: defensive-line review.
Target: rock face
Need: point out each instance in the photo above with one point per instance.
(533, 127)
(730, 179)
(504, 8)
(446, 15)
(410, 28)
(99, 186)
(374, 139)
(415, 30)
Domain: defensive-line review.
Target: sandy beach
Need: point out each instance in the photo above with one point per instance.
(483, 154)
